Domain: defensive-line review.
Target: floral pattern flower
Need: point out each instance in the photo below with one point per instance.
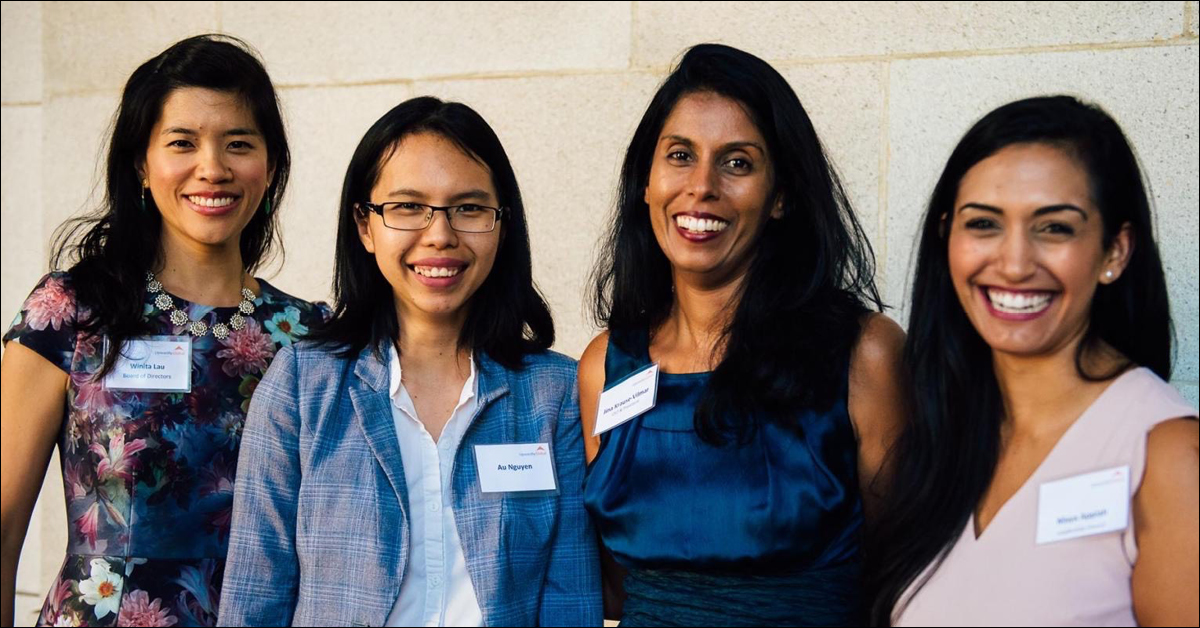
(103, 589)
(88, 524)
(247, 351)
(52, 304)
(138, 610)
(285, 327)
(116, 461)
(52, 613)
(149, 476)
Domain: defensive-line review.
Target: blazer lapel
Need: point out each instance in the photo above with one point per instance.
(373, 411)
(477, 515)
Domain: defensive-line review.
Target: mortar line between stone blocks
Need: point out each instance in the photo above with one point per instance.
(881, 271)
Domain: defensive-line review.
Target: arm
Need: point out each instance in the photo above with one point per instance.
(32, 400)
(262, 570)
(591, 383)
(571, 592)
(878, 404)
(1166, 514)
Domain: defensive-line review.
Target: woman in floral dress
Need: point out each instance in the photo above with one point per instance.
(197, 160)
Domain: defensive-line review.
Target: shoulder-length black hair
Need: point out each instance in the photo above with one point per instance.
(947, 455)
(113, 249)
(796, 320)
(507, 318)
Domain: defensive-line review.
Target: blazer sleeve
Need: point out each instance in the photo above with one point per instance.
(262, 570)
(571, 592)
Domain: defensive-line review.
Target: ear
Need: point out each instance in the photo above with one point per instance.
(777, 210)
(362, 219)
(1117, 257)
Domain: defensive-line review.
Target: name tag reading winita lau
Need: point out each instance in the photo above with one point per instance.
(152, 364)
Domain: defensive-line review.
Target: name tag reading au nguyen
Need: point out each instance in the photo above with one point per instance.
(515, 467)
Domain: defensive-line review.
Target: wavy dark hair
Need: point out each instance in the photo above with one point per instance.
(947, 455)
(507, 317)
(797, 317)
(111, 250)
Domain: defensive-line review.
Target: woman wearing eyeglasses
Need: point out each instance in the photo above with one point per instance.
(420, 462)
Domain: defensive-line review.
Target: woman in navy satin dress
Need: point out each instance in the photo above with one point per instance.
(736, 265)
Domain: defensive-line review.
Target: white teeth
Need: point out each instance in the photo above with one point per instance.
(220, 201)
(437, 271)
(1018, 302)
(700, 225)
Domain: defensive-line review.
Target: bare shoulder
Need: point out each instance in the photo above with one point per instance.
(591, 363)
(878, 389)
(1173, 457)
(880, 344)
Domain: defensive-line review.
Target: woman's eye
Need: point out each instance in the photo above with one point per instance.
(678, 155)
(240, 145)
(737, 163)
(980, 224)
(1058, 228)
(180, 143)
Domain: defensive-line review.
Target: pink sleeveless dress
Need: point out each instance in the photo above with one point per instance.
(1005, 577)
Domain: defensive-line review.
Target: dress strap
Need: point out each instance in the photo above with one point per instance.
(628, 352)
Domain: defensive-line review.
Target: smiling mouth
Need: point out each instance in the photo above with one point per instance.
(214, 202)
(437, 272)
(1018, 303)
(698, 225)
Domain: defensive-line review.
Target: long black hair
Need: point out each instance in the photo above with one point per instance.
(507, 317)
(113, 249)
(796, 319)
(947, 455)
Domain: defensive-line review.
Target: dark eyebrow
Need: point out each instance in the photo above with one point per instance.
(1061, 207)
(724, 147)
(186, 131)
(474, 194)
(981, 206)
(1041, 211)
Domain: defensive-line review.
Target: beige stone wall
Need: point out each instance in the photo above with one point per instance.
(890, 87)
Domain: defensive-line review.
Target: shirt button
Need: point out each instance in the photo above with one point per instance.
(435, 581)
(434, 507)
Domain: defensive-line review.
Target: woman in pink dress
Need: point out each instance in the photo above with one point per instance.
(1049, 475)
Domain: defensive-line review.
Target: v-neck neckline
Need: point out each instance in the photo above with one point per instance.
(976, 534)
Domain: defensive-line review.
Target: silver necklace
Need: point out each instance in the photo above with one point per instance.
(180, 318)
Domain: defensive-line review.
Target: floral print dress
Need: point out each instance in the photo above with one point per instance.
(149, 476)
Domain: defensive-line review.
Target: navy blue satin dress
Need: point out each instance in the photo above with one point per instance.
(761, 533)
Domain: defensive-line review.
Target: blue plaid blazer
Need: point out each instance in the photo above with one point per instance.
(320, 531)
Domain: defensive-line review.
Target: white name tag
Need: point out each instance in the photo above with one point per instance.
(515, 467)
(152, 364)
(1092, 503)
(627, 399)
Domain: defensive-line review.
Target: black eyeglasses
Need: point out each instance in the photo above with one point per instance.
(406, 216)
